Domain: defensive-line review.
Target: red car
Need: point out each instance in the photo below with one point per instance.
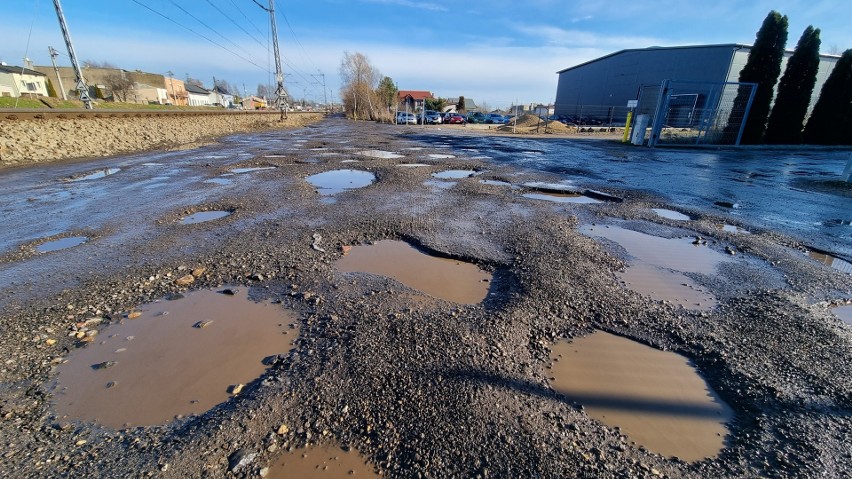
(454, 118)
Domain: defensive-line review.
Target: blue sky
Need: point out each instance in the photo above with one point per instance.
(496, 51)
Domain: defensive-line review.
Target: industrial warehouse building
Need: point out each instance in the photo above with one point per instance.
(602, 87)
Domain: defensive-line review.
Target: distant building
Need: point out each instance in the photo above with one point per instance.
(253, 103)
(452, 104)
(148, 94)
(21, 81)
(608, 82)
(198, 96)
(220, 96)
(413, 100)
(176, 92)
(102, 78)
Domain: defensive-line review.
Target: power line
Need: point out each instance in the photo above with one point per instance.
(246, 17)
(236, 24)
(138, 2)
(304, 52)
(223, 37)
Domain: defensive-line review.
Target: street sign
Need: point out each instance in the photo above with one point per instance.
(632, 103)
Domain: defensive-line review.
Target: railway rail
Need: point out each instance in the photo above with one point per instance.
(14, 114)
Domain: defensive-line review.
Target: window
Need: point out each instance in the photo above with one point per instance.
(32, 86)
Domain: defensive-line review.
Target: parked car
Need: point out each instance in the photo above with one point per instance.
(404, 117)
(453, 118)
(433, 117)
(475, 117)
(495, 118)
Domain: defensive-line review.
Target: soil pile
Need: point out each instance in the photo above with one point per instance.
(532, 124)
(36, 141)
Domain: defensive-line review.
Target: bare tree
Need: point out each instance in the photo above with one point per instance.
(120, 85)
(195, 81)
(360, 80)
(263, 91)
(96, 64)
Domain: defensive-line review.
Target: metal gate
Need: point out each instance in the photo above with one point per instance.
(688, 113)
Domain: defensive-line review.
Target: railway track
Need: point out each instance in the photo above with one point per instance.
(12, 114)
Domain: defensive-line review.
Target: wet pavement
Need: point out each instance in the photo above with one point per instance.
(387, 361)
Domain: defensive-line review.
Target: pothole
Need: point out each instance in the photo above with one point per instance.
(336, 181)
(251, 169)
(657, 265)
(670, 214)
(219, 181)
(733, 229)
(441, 185)
(562, 197)
(497, 183)
(412, 165)
(448, 279)
(95, 175)
(441, 157)
(844, 313)
(203, 216)
(175, 358)
(830, 260)
(62, 243)
(455, 174)
(380, 154)
(656, 398)
(320, 462)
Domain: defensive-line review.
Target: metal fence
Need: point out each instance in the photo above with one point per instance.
(593, 115)
(695, 113)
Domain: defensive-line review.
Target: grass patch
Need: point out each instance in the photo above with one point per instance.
(9, 102)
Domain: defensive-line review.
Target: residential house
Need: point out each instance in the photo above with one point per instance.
(21, 81)
(452, 104)
(197, 96)
(412, 100)
(220, 96)
(544, 110)
(253, 103)
(102, 79)
(148, 94)
(176, 90)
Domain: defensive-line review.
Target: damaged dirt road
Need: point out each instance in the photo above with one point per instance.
(418, 376)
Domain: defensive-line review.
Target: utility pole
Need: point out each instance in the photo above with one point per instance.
(172, 83)
(280, 92)
(218, 97)
(81, 82)
(324, 91)
(53, 55)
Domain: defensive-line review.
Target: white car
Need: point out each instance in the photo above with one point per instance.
(404, 117)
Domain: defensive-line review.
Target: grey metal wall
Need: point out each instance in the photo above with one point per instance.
(612, 80)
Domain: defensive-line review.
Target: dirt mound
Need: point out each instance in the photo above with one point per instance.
(533, 124)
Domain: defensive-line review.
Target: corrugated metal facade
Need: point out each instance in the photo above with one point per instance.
(612, 80)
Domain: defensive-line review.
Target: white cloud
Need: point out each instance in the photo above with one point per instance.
(411, 4)
(582, 38)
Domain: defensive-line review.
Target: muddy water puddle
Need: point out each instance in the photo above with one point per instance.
(670, 214)
(336, 181)
(388, 155)
(219, 181)
(175, 358)
(657, 265)
(251, 169)
(733, 229)
(448, 279)
(830, 261)
(203, 216)
(454, 174)
(441, 157)
(61, 243)
(656, 398)
(497, 183)
(318, 462)
(96, 175)
(562, 198)
(844, 313)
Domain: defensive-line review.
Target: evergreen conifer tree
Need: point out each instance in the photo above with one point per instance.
(762, 67)
(794, 91)
(832, 116)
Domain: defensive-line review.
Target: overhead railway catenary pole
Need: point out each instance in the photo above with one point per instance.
(78, 74)
(53, 55)
(280, 92)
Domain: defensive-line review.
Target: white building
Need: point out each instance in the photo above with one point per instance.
(19, 81)
(198, 96)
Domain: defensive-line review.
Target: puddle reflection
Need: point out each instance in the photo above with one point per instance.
(318, 462)
(176, 357)
(562, 198)
(443, 278)
(670, 214)
(336, 181)
(203, 216)
(656, 398)
(844, 313)
(61, 243)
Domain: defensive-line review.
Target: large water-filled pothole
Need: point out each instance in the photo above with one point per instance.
(62, 243)
(656, 398)
(844, 313)
(657, 265)
(320, 462)
(203, 216)
(336, 181)
(251, 169)
(95, 175)
(173, 358)
(455, 174)
(444, 278)
(670, 214)
(561, 197)
(830, 260)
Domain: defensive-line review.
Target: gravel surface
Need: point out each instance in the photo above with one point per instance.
(427, 388)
